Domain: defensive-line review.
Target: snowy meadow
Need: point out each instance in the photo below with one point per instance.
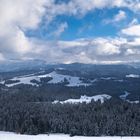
(13, 136)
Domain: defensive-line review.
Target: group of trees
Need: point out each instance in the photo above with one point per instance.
(114, 117)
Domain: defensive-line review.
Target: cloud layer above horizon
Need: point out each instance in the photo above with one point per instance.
(67, 31)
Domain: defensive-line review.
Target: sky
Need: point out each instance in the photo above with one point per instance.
(68, 31)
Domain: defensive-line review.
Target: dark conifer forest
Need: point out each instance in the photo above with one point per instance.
(112, 118)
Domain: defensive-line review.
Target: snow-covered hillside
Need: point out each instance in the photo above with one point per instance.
(59, 78)
(12, 136)
(86, 99)
(72, 81)
(132, 76)
(56, 78)
(124, 97)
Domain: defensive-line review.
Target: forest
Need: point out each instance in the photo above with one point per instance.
(112, 118)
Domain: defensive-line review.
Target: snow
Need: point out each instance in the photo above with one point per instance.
(23, 80)
(60, 68)
(132, 76)
(86, 99)
(59, 78)
(112, 78)
(124, 96)
(56, 78)
(13, 136)
(94, 81)
(107, 78)
(133, 102)
(121, 80)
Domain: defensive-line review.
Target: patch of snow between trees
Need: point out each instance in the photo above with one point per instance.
(132, 76)
(86, 99)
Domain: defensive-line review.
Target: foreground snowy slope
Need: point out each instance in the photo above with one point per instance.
(12, 136)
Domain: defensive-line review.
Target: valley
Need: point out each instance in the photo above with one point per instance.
(74, 99)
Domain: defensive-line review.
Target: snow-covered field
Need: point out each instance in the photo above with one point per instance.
(59, 78)
(124, 97)
(132, 76)
(86, 99)
(56, 78)
(12, 136)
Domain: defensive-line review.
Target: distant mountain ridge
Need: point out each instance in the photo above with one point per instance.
(42, 65)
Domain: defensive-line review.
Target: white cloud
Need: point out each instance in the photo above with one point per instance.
(82, 7)
(130, 52)
(62, 27)
(104, 47)
(121, 15)
(134, 30)
(135, 42)
(2, 57)
(133, 22)
(102, 50)
(18, 16)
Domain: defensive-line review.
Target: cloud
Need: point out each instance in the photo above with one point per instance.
(82, 7)
(133, 30)
(132, 52)
(19, 16)
(2, 57)
(97, 50)
(121, 15)
(105, 47)
(133, 22)
(62, 27)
